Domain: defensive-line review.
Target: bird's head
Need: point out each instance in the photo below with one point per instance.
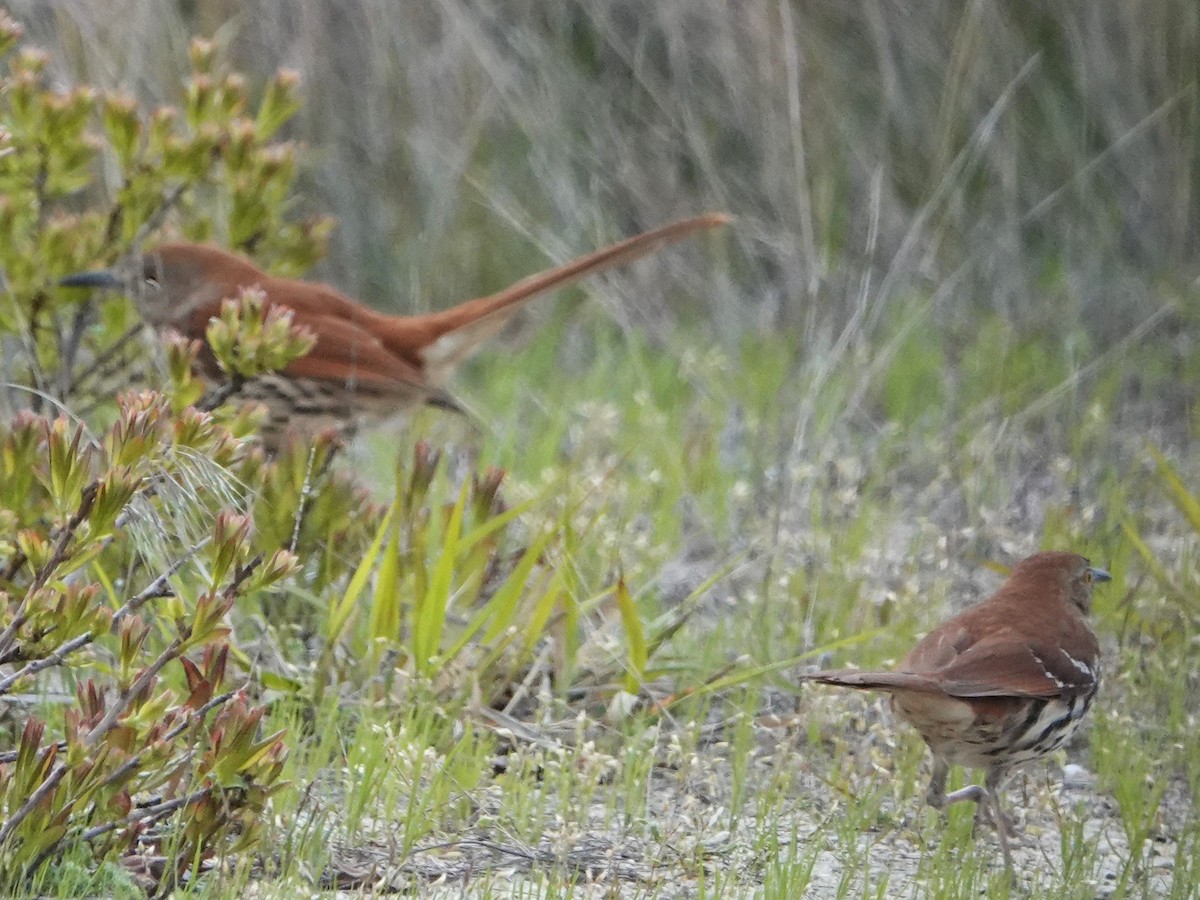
(169, 282)
(1073, 573)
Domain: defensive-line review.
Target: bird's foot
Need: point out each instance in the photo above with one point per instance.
(987, 810)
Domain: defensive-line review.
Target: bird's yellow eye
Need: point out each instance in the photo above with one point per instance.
(1087, 576)
(151, 272)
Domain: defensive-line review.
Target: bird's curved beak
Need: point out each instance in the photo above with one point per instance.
(102, 278)
(1099, 575)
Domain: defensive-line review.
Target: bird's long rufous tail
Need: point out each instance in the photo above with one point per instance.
(873, 681)
(448, 337)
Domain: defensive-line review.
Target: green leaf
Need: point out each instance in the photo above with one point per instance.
(386, 614)
(429, 616)
(635, 638)
(741, 676)
(339, 614)
(1157, 569)
(506, 600)
(1185, 501)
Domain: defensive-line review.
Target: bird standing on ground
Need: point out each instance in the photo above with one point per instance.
(364, 363)
(1002, 683)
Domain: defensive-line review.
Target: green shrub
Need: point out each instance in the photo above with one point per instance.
(159, 574)
(126, 540)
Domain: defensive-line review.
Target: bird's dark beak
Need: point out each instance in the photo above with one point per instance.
(99, 279)
(1099, 575)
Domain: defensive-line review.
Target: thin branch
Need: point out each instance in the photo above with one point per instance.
(100, 362)
(86, 500)
(57, 658)
(197, 715)
(169, 653)
(121, 705)
(42, 791)
(224, 392)
(156, 218)
(69, 345)
(305, 495)
(11, 756)
(153, 813)
(158, 587)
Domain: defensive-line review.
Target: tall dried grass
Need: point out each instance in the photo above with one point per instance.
(1040, 161)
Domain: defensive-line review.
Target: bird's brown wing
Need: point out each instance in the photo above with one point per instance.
(347, 353)
(1010, 665)
(304, 298)
(1003, 665)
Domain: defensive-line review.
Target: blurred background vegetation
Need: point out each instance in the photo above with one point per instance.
(1038, 162)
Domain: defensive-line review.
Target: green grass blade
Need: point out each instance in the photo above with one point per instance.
(635, 638)
(106, 582)
(1185, 501)
(741, 676)
(495, 523)
(429, 616)
(1157, 569)
(384, 622)
(499, 612)
(543, 609)
(339, 614)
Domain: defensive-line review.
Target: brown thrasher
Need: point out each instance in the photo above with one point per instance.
(364, 363)
(1004, 682)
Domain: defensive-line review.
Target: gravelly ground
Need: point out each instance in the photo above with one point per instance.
(684, 842)
(685, 832)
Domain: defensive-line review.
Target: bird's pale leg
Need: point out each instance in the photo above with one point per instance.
(936, 795)
(1004, 826)
(986, 798)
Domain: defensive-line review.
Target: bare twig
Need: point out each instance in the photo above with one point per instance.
(100, 362)
(151, 813)
(134, 761)
(158, 587)
(57, 658)
(305, 494)
(69, 346)
(121, 704)
(10, 756)
(224, 392)
(86, 500)
(42, 791)
(156, 218)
